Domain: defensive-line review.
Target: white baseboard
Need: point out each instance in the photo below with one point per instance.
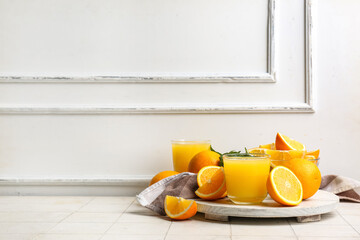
(128, 186)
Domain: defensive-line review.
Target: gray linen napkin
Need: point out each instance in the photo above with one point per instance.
(185, 184)
(180, 185)
(345, 188)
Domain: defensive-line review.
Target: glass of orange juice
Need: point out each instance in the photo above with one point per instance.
(183, 151)
(246, 177)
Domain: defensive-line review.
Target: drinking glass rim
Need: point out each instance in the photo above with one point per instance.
(232, 156)
(275, 160)
(184, 141)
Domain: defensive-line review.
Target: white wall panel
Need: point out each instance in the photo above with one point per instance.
(139, 37)
(252, 42)
(127, 146)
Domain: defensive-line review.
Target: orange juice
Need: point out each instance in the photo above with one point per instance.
(246, 177)
(183, 152)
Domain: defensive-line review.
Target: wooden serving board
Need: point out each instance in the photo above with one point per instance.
(307, 211)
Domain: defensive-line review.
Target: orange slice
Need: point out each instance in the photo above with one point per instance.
(268, 146)
(179, 208)
(283, 142)
(285, 154)
(224, 195)
(284, 187)
(212, 183)
(315, 153)
(309, 157)
(278, 157)
(257, 150)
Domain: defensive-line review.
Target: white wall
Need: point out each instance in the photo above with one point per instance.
(118, 146)
(338, 87)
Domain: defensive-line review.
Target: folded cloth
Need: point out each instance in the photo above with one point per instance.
(185, 184)
(345, 188)
(180, 185)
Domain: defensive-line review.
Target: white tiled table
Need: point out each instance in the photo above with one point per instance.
(107, 218)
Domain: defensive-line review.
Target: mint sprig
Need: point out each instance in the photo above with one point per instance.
(233, 153)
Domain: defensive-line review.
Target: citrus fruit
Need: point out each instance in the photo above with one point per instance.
(309, 157)
(284, 154)
(315, 153)
(214, 187)
(179, 208)
(268, 146)
(162, 175)
(284, 187)
(308, 174)
(205, 174)
(203, 159)
(278, 156)
(257, 150)
(283, 142)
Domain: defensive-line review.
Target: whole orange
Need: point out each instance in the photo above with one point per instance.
(162, 175)
(308, 174)
(203, 159)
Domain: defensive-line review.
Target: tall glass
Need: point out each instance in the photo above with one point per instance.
(183, 151)
(246, 177)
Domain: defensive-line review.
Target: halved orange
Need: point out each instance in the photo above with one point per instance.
(315, 153)
(284, 187)
(206, 173)
(308, 174)
(179, 208)
(283, 142)
(211, 182)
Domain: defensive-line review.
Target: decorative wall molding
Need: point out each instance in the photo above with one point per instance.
(125, 186)
(269, 76)
(124, 181)
(308, 54)
(154, 109)
(260, 78)
(305, 107)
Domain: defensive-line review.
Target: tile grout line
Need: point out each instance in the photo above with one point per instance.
(296, 236)
(57, 223)
(67, 217)
(348, 222)
(116, 219)
(230, 223)
(168, 230)
(38, 234)
(92, 199)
